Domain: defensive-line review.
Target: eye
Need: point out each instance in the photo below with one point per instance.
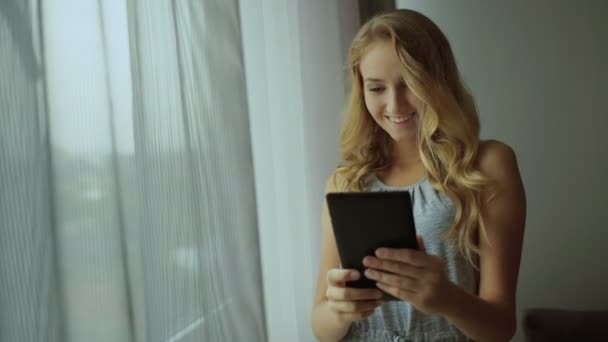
(376, 89)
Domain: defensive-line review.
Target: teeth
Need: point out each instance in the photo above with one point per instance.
(400, 119)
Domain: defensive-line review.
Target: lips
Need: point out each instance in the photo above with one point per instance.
(400, 119)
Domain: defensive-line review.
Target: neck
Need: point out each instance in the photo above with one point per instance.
(405, 154)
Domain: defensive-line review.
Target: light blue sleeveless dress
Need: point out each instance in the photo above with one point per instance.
(398, 320)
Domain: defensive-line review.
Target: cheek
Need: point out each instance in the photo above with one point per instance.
(373, 106)
(413, 100)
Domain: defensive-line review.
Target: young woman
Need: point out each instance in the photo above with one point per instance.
(412, 125)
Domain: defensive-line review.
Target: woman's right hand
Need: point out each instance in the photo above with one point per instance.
(348, 303)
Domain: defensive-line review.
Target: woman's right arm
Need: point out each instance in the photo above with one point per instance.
(326, 324)
(337, 306)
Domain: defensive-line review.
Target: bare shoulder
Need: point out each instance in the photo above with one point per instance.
(497, 161)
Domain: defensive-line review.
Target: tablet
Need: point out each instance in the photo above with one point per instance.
(365, 221)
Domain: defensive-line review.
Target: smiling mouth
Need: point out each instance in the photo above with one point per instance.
(400, 119)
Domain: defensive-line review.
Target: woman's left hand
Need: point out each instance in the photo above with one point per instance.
(411, 275)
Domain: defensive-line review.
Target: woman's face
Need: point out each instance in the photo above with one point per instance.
(391, 104)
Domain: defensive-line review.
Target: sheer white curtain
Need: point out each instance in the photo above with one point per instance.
(127, 206)
(296, 83)
(29, 302)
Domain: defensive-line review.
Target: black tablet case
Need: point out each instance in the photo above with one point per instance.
(365, 221)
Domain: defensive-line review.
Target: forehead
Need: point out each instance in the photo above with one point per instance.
(381, 62)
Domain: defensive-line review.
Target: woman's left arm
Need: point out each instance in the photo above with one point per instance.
(491, 316)
(420, 278)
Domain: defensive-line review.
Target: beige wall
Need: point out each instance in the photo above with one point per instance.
(538, 71)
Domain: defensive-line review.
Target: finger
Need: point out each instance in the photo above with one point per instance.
(396, 292)
(337, 275)
(395, 280)
(357, 316)
(351, 294)
(354, 306)
(406, 255)
(394, 267)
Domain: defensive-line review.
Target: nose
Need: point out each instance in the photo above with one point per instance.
(396, 103)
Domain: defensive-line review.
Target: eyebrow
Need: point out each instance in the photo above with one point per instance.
(369, 79)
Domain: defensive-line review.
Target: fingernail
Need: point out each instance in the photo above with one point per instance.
(367, 261)
(354, 275)
(370, 274)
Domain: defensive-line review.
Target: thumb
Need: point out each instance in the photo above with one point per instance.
(421, 243)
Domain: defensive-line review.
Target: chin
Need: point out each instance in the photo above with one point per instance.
(402, 136)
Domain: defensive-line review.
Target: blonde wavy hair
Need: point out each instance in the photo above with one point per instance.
(448, 129)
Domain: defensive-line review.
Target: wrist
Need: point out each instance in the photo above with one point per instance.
(339, 319)
(328, 325)
(453, 303)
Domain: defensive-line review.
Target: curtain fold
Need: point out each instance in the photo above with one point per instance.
(192, 145)
(29, 287)
(127, 204)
